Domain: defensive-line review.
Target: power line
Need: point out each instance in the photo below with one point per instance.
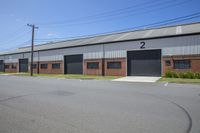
(99, 14)
(14, 32)
(15, 38)
(166, 5)
(18, 45)
(156, 24)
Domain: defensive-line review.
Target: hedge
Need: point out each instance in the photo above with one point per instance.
(188, 75)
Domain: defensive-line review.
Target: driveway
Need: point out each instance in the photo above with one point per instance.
(50, 105)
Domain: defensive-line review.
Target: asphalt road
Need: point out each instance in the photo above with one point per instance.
(50, 105)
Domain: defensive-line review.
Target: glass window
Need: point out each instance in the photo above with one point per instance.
(114, 65)
(44, 66)
(14, 66)
(7, 66)
(92, 65)
(182, 64)
(56, 66)
(34, 66)
(168, 63)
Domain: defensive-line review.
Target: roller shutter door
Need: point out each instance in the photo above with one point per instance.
(74, 64)
(144, 63)
(1, 66)
(23, 65)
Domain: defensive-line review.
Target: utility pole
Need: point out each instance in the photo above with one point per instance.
(32, 47)
(103, 61)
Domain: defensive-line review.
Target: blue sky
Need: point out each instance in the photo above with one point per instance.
(71, 18)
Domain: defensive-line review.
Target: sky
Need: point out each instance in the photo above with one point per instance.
(67, 19)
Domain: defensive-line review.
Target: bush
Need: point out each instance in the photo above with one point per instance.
(197, 75)
(189, 75)
(168, 74)
(174, 75)
(182, 75)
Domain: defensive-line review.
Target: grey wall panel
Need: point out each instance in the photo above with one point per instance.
(185, 50)
(28, 55)
(12, 58)
(155, 43)
(58, 54)
(115, 54)
(1, 57)
(93, 55)
(51, 58)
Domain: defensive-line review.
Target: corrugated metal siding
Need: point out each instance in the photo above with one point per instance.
(1, 57)
(115, 54)
(93, 55)
(185, 50)
(51, 58)
(155, 43)
(12, 58)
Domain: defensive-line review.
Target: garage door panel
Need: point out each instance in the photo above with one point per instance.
(144, 63)
(74, 64)
(23, 65)
(1, 66)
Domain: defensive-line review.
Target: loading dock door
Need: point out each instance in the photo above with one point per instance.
(144, 63)
(73, 64)
(23, 65)
(1, 66)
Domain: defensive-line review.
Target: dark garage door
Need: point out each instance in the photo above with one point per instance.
(23, 65)
(74, 64)
(1, 66)
(144, 63)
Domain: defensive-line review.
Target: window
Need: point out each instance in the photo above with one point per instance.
(7, 66)
(114, 65)
(14, 66)
(34, 66)
(92, 65)
(44, 66)
(182, 64)
(168, 63)
(56, 66)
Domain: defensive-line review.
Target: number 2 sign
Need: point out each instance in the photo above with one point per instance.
(142, 45)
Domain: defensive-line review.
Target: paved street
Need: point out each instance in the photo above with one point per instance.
(50, 105)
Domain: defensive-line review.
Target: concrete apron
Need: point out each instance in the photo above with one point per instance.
(138, 79)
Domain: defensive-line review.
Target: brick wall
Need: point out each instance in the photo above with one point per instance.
(11, 69)
(116, 72)
(49, 69)
(108, 72)
(87, 71)
(194, 59)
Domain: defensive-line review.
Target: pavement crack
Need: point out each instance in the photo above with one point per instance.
(15, 97)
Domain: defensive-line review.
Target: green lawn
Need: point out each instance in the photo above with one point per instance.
(180, 80)
(67, 76)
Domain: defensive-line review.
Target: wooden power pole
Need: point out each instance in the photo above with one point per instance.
(32, 47)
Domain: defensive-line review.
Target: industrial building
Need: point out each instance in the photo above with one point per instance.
(147, 52)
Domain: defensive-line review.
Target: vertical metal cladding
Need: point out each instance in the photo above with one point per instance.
(184, 50)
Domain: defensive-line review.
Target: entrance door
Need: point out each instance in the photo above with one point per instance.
(74, 64)
(144, 63)
(23, 65)
(1, 66)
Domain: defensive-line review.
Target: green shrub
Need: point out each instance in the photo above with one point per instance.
(189, 75)
(185, 75)
(182, 75)
(168, 74)
(174, 75)
(197, 75)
